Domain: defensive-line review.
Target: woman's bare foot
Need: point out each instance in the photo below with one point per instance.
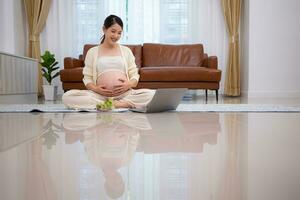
(122, 104)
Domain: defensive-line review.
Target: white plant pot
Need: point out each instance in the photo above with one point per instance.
(50, 92)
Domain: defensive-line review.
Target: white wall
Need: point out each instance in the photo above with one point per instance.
(13, 27)
(244, 48)
(271, 61)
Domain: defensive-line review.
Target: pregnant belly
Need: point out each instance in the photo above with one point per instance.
(111, 78)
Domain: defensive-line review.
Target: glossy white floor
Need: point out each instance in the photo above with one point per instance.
(183, 155)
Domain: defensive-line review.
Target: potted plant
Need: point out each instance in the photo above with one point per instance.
(48, 71)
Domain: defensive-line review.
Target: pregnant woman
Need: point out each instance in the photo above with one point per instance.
(109, 72)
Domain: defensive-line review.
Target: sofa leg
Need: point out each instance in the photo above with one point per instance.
(206, 95)
(217, 95)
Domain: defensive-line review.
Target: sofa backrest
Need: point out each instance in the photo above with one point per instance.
(86, 48)
(162, 54)
(136, 50)
(172, 55)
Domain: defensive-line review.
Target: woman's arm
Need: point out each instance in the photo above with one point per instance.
(133, 83)
(88, 67)
(88, 75)
(133, 71)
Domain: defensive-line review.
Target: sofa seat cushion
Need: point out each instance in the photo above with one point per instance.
(71, 75)
(179, 73)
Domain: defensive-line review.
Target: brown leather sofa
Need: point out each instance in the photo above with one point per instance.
(160, 66)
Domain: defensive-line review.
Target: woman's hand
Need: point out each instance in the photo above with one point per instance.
(123, 87)
(100, 89)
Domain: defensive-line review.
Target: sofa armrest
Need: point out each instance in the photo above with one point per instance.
(210, 62)
(70, 63)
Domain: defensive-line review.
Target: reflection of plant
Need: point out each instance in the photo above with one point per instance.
(106, 118)
(50, 135)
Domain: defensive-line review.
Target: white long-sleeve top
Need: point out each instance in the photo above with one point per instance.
(90, 68)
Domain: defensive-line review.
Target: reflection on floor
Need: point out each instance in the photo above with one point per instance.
(184, 155)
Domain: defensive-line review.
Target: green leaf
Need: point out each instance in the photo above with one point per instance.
(53, 64)
(48, 63)
(44, 71)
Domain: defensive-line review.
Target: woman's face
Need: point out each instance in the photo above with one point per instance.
(113, 33)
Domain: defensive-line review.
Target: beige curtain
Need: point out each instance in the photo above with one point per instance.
(37, 12)
(232, 12)
(230, 182)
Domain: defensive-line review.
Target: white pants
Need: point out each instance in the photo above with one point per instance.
(87, 99)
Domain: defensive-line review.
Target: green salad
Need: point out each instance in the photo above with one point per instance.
(106, 105)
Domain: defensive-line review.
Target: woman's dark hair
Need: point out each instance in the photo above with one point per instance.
(109, 21)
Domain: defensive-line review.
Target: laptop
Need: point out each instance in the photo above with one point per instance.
(163, 100)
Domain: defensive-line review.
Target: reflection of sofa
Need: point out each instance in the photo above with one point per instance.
(160, 66)
(191, 133)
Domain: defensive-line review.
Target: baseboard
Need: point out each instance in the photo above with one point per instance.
(271, 94)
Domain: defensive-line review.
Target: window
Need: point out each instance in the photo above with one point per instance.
(174, 23)
(88, 22)
(164, 21)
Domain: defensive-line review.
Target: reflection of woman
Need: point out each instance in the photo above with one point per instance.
(110, 141)
(110, 71)
(111, 149)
